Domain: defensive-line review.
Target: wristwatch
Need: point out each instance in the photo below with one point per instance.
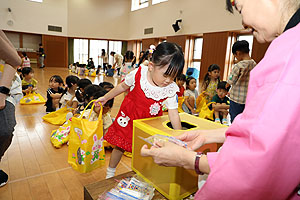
(198, 156)
(4, 90)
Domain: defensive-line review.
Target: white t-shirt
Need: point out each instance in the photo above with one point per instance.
(193, 93)
(154, 92)
(65, 98)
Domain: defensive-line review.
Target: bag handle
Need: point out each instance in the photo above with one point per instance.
(92, 108)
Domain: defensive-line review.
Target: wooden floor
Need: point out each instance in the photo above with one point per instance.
(36, 169)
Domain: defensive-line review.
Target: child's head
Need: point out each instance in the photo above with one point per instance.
(81, 84)
(112, 53)
(167, 62)
(55, 82)
(129, 55)
(180, 80)
(71, 81)
(222, 90)
(24, 54)
(240, 49)
(27, 72)
(106, 86)
(191, 83)
(213, 73)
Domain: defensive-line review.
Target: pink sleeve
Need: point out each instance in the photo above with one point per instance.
(211, 158)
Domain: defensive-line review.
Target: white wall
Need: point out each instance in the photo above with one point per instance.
(34, 17)
(106, 19)
(198, 16)
(112, 19)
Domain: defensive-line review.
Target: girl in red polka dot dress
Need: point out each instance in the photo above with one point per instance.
(149, 86)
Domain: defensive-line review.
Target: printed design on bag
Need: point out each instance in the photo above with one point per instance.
(78, 131)
(97, 147)
(36, 98)
(154, 108)
(123, 120)
(61, 133)
(28, 100)
(80, 156)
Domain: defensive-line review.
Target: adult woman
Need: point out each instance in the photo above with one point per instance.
(259, 158)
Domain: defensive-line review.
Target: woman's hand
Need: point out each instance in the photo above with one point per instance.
(101, 100)
(170, 155)
(193, 139)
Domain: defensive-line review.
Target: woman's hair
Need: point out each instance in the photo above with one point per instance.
(207, 78)
(188, 80)
(27, 70)
(57, 79)
(106, 86)
(103, 52)
(71, 80)
(170, 54)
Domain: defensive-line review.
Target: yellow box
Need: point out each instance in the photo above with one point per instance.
(173, 182)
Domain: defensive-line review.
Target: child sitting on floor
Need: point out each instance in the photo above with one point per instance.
(28, 82)
(221, 103)
(54, 93)
(180, 80)
(191, 95)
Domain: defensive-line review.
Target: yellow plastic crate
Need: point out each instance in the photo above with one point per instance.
(173, 182)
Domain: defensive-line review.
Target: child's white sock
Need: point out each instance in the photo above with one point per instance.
(110, 172)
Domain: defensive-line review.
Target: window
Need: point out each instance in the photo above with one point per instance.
(196, 61)
(158, 1)
(80, 51)
(96, 47)
(115, 46)
(138, 4)
(248, 38)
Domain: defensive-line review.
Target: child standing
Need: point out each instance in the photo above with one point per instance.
(239, 77)
(151, 85)
(128, 64)
(180, 80)
(221, 103)
(211, 80)
(28, 82)
(25, 60)
(191, 95)
(54, 93)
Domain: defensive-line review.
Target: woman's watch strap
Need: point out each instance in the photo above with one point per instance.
(4, 90)
(197, 159)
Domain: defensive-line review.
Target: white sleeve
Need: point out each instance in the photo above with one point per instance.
(172, 103)
(130, 78)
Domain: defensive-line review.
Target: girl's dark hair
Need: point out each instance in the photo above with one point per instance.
(101, 93)
(25, 55)
(181, 77)
(188, 80)
(96, 91)
(57, 79)
(82, 83)
(103, 52)
(229, 6)
(206, 78)
(171, 54)
(143, 58)
(71, 80)
(26, 70)
(106, 85)
(129, 55)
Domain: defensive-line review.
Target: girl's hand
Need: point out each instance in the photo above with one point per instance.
(101, 100)
(170, 155)
(193, 111)
(194, 139)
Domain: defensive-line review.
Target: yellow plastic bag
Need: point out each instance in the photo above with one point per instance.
(60, 136)
(205, 112)
(180, 102)
(57, 117)
(86, 150)
(32, 98)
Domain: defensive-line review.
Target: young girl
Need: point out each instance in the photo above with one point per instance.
(191, 94)
(28, 82)
(25, 60)
(54, 93)
(149, 87)
(94, 92)
(210, 83)
(128, 64)
(68, 98)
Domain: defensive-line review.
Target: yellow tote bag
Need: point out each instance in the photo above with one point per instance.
(32, 98)
(180, 102)
(205, 112)
(86, 150)
(57, 117)
(60, 136)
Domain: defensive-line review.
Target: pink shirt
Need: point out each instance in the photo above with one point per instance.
(260, 158)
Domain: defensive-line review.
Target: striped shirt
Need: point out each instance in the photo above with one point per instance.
(239, 79)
